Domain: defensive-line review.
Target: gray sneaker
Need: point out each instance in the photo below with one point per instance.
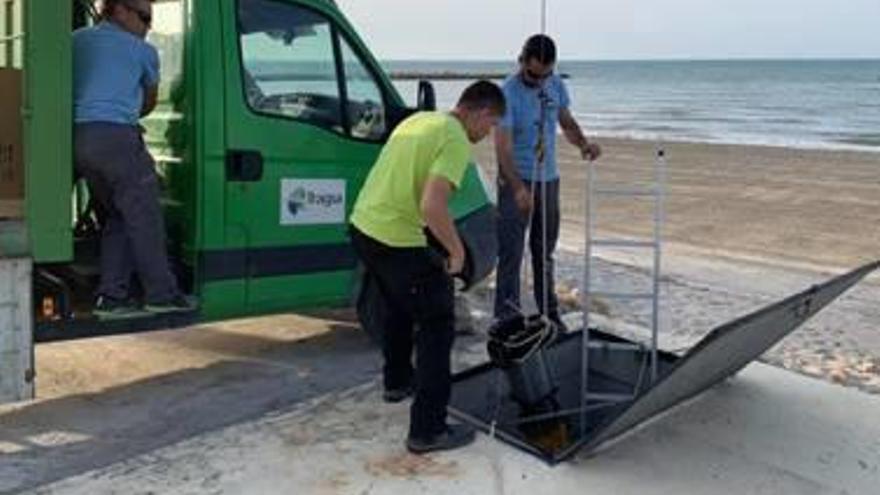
(180, 304)
(110, 308)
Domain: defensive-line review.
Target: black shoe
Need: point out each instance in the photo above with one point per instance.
(111, 308)
(395, 395)
(180, 304)
(454, 437)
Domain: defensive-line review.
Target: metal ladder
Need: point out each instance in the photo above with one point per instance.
(657, 191)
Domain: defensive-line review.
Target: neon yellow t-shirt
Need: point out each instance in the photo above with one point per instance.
(425, 144)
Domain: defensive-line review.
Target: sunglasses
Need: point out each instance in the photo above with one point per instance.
(535, 76)
(145, 17)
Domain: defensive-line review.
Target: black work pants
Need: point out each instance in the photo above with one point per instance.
(417, 295)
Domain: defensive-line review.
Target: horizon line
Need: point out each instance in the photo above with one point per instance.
(658, 59)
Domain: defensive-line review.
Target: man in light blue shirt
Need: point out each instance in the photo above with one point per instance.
(528, 192)
(116, 77)
(116, 74)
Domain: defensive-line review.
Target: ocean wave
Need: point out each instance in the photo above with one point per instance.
(870, 140)
(844, 144)
(798, 104)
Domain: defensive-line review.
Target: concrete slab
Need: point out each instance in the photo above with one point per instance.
(16, 338)
(139, 393)
(766, 431)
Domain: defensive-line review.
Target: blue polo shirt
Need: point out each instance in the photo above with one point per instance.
(523, 118)
(111, 68)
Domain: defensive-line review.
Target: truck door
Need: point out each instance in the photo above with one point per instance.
(306, 111)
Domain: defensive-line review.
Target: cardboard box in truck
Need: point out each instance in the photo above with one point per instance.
(11, 162)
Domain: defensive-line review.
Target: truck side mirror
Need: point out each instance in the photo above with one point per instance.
(427, 98)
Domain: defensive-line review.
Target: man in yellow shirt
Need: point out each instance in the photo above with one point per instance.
(407, 190)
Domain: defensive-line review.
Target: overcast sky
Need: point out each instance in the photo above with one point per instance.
(620, 29)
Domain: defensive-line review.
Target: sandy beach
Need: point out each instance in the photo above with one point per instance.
(782, 205)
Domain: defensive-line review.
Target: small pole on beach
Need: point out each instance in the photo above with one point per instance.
(543, 16)
(586, 290)
(660, 177)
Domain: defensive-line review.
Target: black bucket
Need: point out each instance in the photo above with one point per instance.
(516, 348)
(532, 381)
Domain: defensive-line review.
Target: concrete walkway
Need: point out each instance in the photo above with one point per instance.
(766, 431)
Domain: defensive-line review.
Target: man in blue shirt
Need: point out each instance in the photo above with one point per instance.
(528, 192)
(116, 78)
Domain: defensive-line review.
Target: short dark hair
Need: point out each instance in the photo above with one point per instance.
(107, 6)
(483, 94)
(539, 47)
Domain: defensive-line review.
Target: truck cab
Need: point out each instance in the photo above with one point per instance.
(270, 115)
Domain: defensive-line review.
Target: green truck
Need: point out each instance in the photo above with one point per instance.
(271, 114)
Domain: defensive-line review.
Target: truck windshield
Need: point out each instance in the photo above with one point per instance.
(291, 67)
(288, 62)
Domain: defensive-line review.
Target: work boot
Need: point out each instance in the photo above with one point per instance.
(179, 304)
(454, 437)
(111, 308)
(395, 395)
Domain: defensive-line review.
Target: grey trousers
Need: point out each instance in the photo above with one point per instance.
(512, 225)
(122, 178)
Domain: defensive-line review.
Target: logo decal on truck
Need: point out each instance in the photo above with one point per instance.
(312, 201)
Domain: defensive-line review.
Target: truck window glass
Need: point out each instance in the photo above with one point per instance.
(366, 109)
(288, 64)
(166, 35)
(11, 33)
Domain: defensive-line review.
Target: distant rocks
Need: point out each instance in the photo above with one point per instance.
(451, 75)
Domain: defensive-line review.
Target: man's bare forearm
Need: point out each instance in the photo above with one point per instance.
(509, 173)
(504, 154)
(440, 223)
(151, 97)
(575, 136)
(572, 130)
(435, 210)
